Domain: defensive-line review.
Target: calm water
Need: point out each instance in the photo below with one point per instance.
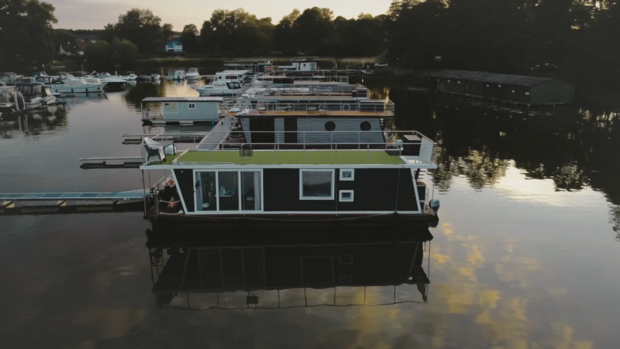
(525, 255)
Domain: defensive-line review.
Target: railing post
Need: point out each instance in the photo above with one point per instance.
(336, 155)
(274, 154)
(367, 154)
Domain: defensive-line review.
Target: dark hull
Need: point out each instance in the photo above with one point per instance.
(296, 222)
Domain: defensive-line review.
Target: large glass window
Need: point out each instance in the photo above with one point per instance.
(317, 185)
(228, 190)
(250, 191)
(206, 199)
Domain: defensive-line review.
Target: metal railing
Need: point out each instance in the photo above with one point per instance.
(419, 151)
(367, 106)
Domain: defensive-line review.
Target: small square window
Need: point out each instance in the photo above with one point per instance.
(346, 196)
(347, 175)
(513, 91)
(499, 85)
(191, 106)
(527, 93)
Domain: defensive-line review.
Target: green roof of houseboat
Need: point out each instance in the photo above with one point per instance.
(288, 157)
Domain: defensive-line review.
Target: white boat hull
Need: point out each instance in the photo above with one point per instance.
(192, 76)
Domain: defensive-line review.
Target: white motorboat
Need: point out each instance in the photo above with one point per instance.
(67, 83)
(220, 88)
(155, 77)
(35, 95)
(110, 80)
(131, 76)
(192, 74)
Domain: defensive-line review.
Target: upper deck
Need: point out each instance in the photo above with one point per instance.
(411, 149)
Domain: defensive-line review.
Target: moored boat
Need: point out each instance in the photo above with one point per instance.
(192, 74)
(220, 88)
(35, 94)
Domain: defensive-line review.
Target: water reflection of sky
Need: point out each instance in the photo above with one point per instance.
(517, 261)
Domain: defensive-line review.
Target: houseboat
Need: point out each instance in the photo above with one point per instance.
(180, 110)
(363, 179)
(308, 88)
(304, 65)
(254, 67)
(329, 266)
(35, 94)
(326, 119)
(290, 77)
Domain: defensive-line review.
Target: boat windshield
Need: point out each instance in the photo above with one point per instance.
(6, 94)
(234, 85)
(192, 70)
(29, 90)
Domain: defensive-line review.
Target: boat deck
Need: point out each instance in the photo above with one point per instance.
(288, 157)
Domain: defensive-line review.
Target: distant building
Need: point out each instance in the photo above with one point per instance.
(83, 41)
(174, 45)
(519, 89)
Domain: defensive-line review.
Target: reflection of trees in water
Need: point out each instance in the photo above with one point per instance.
(575, 147)
(480, 167)
(33, 122)
(137, 93)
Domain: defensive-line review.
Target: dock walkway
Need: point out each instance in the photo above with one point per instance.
(213, 139)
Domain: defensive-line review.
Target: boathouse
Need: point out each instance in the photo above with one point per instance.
(181, 108)
(519, 89)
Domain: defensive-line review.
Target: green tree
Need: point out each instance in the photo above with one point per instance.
(124, 51)
(99, 54)
(166, 31)
(285, 34)
(237, 32)
(141, 27)
(26, 34)
(189, 38)
(314, 29)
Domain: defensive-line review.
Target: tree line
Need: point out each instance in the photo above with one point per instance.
(579, 37)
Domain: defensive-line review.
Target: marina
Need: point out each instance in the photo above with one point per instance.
(497, 213)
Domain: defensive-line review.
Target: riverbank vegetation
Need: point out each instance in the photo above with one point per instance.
(571, 39)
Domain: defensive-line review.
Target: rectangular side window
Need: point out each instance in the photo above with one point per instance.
(347, 175)
(346, 196)
(192, 106)
(316, 184)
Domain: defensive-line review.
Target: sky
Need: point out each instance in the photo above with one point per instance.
(95, 14)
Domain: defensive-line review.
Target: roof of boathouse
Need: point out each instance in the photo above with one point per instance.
(508, 79)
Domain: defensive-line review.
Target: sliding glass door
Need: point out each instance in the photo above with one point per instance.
(218, 191)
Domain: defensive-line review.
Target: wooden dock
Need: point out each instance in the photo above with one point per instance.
(71, 202)
(112, 162)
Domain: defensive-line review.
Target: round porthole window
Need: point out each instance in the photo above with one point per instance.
(365, 126)
(330, 126)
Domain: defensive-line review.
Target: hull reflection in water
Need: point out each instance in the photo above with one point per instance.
(193, 267)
